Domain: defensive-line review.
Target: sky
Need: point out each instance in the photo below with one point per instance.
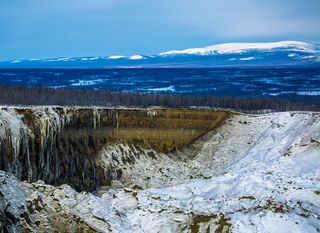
(31, 29)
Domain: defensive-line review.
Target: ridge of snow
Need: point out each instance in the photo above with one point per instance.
(243, 47)
(116, 57)
(247, 58)
(136, 57)
(63, 59)
(89, 58)
(58, 59)
(15, 61)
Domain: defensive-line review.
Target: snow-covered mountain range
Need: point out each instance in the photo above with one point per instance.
(235, 48)
(274, 54)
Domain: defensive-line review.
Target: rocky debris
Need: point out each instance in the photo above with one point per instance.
(14, 216)
(38, 207)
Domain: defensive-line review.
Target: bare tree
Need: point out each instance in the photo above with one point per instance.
(22, 95)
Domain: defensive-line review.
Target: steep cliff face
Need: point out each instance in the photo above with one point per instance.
(60, 145)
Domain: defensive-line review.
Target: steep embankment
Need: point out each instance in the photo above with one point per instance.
(61, 145)
(254, 173)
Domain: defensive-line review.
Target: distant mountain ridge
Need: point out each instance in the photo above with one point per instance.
(272, 54)
(229, 48)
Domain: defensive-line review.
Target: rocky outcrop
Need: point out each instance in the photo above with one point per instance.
(36, 207)
(60, 145)
(14, 215)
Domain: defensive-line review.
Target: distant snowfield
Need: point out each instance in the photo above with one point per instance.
(255, 173)
(136, 57)
(247, 58)
(242, 47)
(89, 58)
(87, 82)
(116, 57)
(15, 61)
(164, 89)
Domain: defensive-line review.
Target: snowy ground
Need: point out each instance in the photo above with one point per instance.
(256, 173)
(261, 173)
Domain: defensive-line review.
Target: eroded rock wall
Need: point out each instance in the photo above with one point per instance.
(60, 145)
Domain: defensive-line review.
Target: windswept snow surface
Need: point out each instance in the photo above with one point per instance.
(255, 173)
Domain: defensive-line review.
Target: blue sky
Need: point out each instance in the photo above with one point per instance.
(54, 28)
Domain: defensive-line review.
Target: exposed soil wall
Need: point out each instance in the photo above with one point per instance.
(59, 145)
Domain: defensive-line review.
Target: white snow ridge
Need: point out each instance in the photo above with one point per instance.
(116, 57)
(136, 57)
(231, 48)
(246, 58)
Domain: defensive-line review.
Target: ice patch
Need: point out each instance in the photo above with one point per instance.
(308, 57)
(302, 93)
(170, 88)
(136, 57)
(292, 55)
(63, 59)
(57, 87)
(311, 93)
(89, 58)
(87, 82)
(115, 57)
(15, 61)
(246, 58)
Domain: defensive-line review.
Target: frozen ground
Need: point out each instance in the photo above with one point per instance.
(255, 173)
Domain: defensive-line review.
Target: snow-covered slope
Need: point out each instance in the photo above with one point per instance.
(228, 48)
(275, 54)
(255, 173)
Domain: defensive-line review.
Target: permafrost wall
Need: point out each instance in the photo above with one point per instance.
(60, 145)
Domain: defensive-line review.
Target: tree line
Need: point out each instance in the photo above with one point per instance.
(22, 95)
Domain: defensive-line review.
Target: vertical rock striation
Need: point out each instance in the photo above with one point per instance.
(60, 145)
